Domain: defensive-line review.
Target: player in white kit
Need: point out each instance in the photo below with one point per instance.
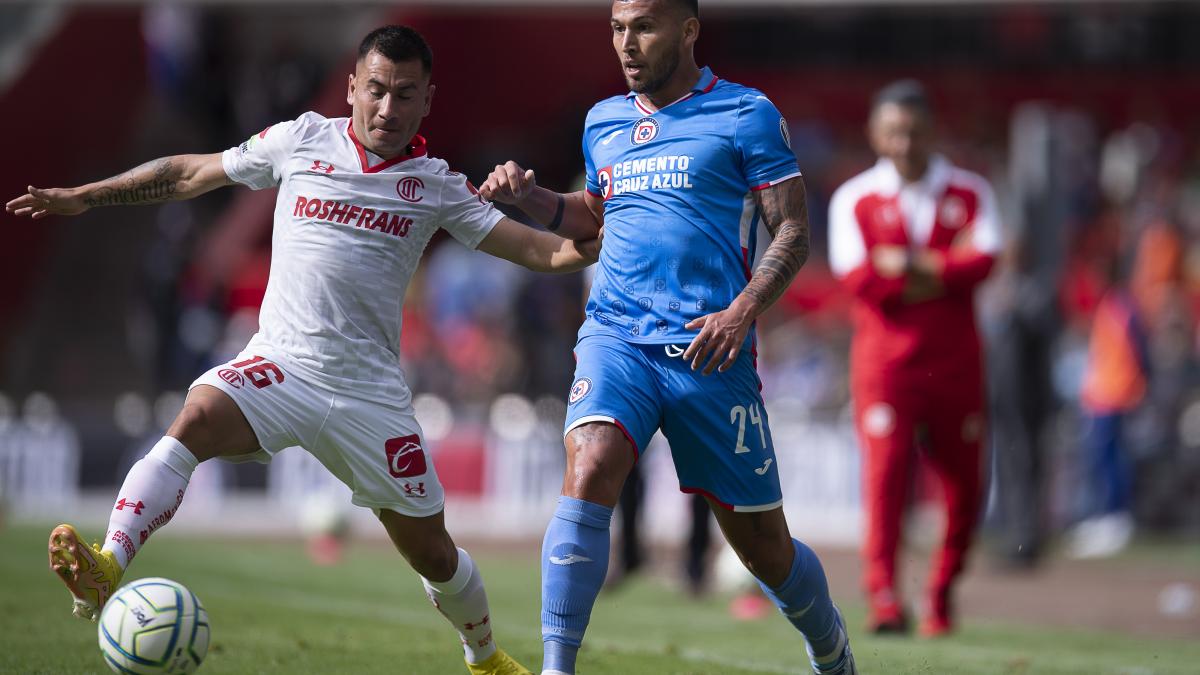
(358, 200)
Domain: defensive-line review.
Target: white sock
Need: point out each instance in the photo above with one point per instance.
(463, 601)
(150, 495)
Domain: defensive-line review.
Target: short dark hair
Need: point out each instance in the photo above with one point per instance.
(397, 43)
(691, 6)
(906, 93)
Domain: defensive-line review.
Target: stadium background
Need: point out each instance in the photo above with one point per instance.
(1081, 114)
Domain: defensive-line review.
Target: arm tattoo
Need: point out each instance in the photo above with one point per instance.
(784, 211)
(150, 183)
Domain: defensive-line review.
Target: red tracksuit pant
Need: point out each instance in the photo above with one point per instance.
(894, 421)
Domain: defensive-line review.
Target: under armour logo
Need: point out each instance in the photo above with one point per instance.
(417, 490)
(318, 165)
(481, 624)
(569, 559)
(136, 506)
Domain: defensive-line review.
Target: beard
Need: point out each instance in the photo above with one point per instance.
(656, 78)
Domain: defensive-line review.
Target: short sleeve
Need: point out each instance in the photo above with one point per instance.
(464, 214)
(762, 142)
(846, 247)
(592, 184)
(986, 235)
(258, 162)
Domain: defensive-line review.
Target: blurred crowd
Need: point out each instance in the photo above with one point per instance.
(1090, 320)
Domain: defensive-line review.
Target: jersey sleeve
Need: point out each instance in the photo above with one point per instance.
(464, 214)
(258, 162)
(846, 247)
(965, 269)
(848, 255)
(592, 181)
(986, 234)
(762, 142)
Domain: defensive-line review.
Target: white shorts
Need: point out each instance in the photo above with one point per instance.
(373, 447)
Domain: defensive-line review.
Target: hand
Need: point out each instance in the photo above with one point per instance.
(721, 336)
(964, 240)
(590, 248)
(508, 184)
(890, 261)
(924, 279)
(39, 203)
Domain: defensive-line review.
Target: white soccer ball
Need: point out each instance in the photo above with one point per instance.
(152, 626)
(324, 514)
(730, 575)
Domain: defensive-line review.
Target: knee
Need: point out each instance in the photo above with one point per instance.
(592, 474)
(767, 557)
(597, 466)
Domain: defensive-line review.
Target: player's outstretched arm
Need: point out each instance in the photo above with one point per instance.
(165, 179)
(784, 209)
(577, 215)
(539, 251)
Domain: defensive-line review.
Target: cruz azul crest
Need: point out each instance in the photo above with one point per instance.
(644, 131)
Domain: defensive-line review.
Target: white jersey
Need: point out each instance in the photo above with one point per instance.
(349, 231)
(918, 204)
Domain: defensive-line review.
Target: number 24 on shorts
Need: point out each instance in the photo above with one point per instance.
(738, 415)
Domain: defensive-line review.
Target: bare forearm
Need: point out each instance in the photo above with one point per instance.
(780, 264)
(564, 214)
(537, 250)
(556, 255)
(785, 214)
(166, 179)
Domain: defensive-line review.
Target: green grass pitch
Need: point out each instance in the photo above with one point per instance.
(272, 611)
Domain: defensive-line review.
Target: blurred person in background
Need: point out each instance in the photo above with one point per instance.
(1022, 323)
(912, 238)
(1114, 386)
(359, 200)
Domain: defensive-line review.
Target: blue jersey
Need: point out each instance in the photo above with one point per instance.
(679, 215)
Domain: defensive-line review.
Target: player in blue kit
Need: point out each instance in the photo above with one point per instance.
(679, 172)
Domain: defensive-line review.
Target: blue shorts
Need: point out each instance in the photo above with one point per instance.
(716, 424)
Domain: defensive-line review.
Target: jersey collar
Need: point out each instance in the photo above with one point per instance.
(416, 148)
(703, 85)
(936, 177)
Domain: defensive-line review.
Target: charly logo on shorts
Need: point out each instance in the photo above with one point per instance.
(233, 377)
(644, 131)
(581, 388)
(405, 456)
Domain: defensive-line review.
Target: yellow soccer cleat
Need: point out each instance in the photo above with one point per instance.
(90, 574)
(498, 664)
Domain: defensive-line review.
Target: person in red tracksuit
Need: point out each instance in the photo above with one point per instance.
(912, 237)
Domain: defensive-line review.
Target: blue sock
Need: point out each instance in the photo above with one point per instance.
(804, 599)
(574, 562)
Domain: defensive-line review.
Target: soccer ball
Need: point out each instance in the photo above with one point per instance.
(152, 626)
(730, 575)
